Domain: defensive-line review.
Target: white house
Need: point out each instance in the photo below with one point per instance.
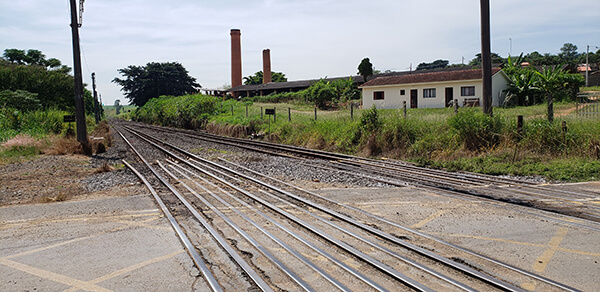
(433, 90)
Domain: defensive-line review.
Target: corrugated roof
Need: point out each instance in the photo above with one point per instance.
(441, 76)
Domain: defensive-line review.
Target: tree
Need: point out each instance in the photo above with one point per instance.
(54, 88)
(143, 83)
(257, 78)
(549, 82)
(433, 65)
(118, 106)
(365, 68)
(496, 59)
(568, 53)
(34, 57)
(321, 93)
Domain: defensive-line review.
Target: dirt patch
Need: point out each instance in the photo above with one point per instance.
(55, 178)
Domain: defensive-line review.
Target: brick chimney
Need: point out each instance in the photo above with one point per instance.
(236, 58)
(266, 66)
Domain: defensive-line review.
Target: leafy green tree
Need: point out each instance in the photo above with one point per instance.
(433, 65)
(34, 57)
(365, 69)
(257, 78)
(118, 106)
(549, 83)
(321, 93)
(522, 87)
(54, 88)
(496, 59)
(568, 53)
(20, 99)
(143, 83)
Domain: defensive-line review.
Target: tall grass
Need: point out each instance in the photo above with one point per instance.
(34, 123)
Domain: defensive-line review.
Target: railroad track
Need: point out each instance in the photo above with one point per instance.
(277, 236)
(581, 205)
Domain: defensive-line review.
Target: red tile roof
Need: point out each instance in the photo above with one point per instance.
(442, 76)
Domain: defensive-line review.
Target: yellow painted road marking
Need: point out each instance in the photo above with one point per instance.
(488, 238)
(10, 224)
(542, 262)
(49, 247)
(579, 252)
(129, 269)
(429, 219)
(52, 276)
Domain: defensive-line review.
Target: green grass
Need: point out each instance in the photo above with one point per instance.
(18, 154)
(592, 88)
(110, 112)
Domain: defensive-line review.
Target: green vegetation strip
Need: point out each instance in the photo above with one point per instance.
(440, 138)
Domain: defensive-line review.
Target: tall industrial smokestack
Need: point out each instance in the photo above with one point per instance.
(236, 58)
(266, 66)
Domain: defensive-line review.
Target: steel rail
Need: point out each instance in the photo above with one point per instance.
(368, 259)
(244, 234)
(480, 178)
(485, 192)
(410, 246)
(286, 246)
(220, 240)
(457, 195)
(325, 254)
(324, 154)
(377, 246)
(476, 274)
(208, 276)
(381, 219)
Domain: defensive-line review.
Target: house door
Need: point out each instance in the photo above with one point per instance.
(449, 95)
(413, 98)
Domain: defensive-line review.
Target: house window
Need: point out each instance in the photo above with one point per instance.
(402, 92)
(378, 95)
(429, 92)
(467, 91)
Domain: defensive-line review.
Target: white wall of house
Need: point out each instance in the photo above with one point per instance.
(393, 97)
(499, 84)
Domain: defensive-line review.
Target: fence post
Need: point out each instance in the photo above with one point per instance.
(564, 132)
(315, 114)
(274, 114)
(289, 114)
(520, 127)
(261, 112)
(404, 108)
(352, 111)
(232, 111)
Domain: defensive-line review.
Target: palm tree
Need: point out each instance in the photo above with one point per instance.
(522, 86)
(549, 81)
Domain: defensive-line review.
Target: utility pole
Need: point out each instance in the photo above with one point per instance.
(486, 58)
(96, 105)
(587, 64)
(79, 105)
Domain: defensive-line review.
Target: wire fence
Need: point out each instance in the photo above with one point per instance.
(588, 104)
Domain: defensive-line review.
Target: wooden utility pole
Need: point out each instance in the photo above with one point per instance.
(79, 105)
(96, 104)
(486, 58)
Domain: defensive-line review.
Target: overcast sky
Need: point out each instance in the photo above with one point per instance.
(308, 38)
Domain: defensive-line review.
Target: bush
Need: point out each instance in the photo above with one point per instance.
(187, 111)
(477, 130)
(35, 123)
